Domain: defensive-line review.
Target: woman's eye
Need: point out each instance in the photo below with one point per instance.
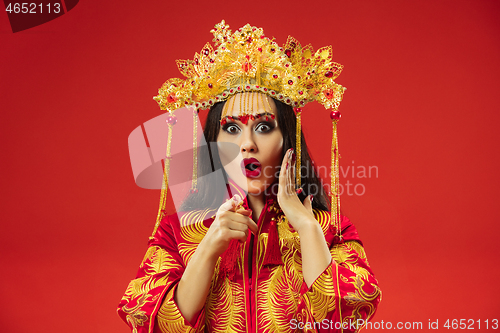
(263, 127)
(231, 128)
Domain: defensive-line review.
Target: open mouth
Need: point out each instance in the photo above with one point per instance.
(251, 167)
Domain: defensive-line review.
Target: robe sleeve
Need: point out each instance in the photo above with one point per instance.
(148, 304)
(346, 292)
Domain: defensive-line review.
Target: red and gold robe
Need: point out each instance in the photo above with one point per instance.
(271, 298)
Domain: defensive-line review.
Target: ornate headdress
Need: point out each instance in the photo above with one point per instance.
(248, 61)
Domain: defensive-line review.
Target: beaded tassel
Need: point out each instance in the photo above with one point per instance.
(335, 199)
(298, 146)
(171, 120)
(335, 178)
(195, 152)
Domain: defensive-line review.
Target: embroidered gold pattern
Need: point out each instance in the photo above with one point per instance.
(170, 319)
(278, 297)
(361, 300)
(225, 306)
(322, 295)
(155, 262)
(192, 231)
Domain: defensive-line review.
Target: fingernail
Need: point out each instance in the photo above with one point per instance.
(293, 158)
(286, 167)
(311, 197)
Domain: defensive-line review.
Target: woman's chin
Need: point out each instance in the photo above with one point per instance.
(257, 187)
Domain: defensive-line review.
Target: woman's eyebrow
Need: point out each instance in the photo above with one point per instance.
(244, 118)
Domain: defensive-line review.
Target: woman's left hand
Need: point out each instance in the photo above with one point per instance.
(299, 214)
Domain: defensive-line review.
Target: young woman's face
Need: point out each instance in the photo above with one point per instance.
(257, 143)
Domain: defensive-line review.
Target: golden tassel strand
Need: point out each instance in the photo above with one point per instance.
(164, 186)
(195, 150)
(298, 146)
(334, 180)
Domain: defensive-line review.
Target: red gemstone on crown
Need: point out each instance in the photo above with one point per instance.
(288, 53)
(223, 121)
(301, 92)
(171, 98)
(290, 82)
(210, 85)
(329, 74)
(275, 76)
(328, 93)
(246, 66)
(260, 49)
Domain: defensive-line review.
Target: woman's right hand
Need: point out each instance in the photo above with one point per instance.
(231, 222)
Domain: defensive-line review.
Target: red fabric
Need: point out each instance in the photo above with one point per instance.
(274, 298)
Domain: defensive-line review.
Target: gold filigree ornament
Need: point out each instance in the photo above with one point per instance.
(246, 61)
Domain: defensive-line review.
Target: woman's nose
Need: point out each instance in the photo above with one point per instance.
(248, 145)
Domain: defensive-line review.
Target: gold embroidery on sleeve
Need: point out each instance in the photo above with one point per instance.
(361, 300)
(169, 317)
(322, 295)
(348, 255)
(192, 231)
(156, 261)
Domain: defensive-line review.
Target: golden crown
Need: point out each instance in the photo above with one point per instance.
(247, 60)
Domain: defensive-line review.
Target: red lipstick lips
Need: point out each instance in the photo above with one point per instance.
(251, 167)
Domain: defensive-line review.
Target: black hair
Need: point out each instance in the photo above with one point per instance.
(210, 194)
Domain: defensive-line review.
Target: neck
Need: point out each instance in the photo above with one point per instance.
(256, 204)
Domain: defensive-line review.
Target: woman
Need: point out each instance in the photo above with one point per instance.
(250, 256)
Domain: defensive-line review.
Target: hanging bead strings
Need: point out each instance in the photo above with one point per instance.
(335, 199)
(335, 178)
(171, 120)
(194, 183)
(298, 148)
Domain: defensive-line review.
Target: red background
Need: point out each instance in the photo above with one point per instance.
(421, 105)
